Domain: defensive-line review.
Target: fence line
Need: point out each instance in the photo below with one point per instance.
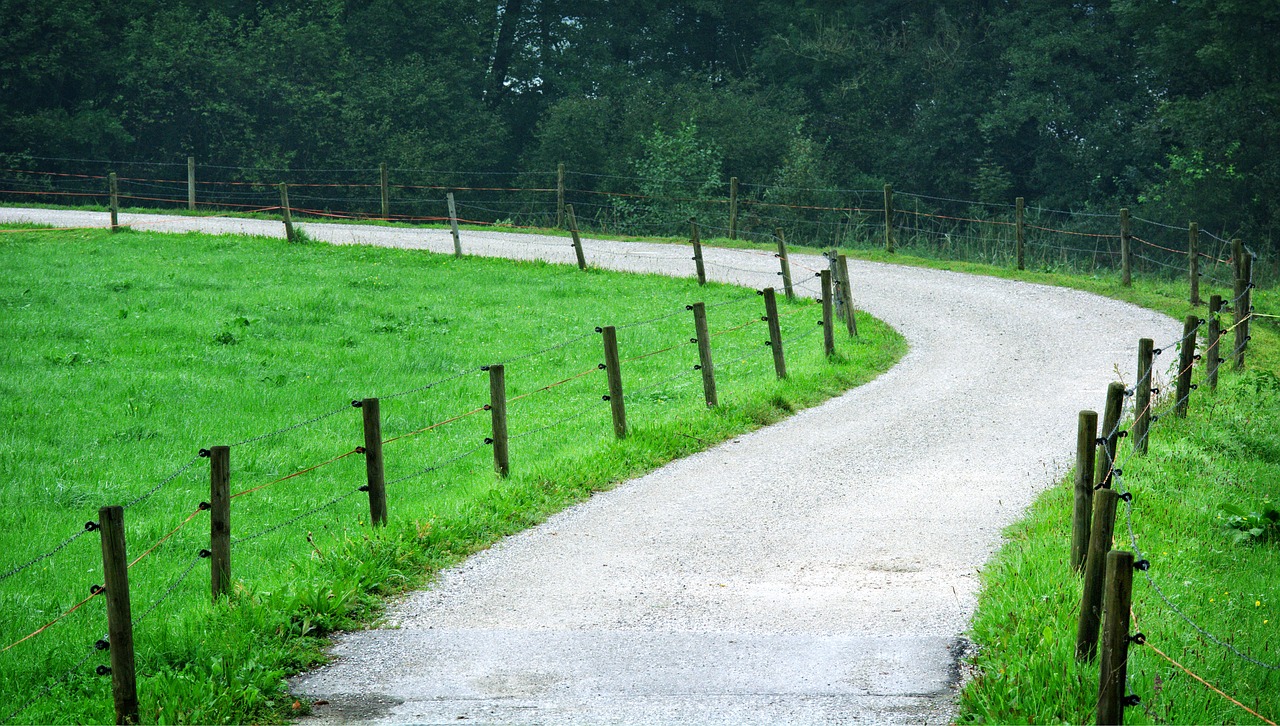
(650, 381)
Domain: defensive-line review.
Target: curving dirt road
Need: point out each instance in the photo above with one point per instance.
(821, 570)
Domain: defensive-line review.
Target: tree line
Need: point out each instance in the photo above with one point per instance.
(1169, 105)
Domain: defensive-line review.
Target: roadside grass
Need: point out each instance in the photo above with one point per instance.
(124, 354)
(1227, 451)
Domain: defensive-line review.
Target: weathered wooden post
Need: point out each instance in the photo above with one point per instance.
(386, 190)
(191, 183)
(846, 289)
(115, 570)
(613, 368)
(697, 251)
(1212, 354)
(1109, 435)
(1186, 362)
(1086, 451)
(828, 333)
(498, 417)
(219, 520)
(1115, 637)
(1142, 391)
(560, 196)
(453, 224)
(577, 239)
(1243, 304)
(1126, 250)
(1020, 231)
(704, 353)
(775, 331)
(733, 207)
(373, 465)
(113, 188)
(888, 218)
(1193, 261)
(1090, 618)
(285, 214)
(784, 263)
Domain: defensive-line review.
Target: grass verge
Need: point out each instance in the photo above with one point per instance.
(1212, 577)
(124, 354)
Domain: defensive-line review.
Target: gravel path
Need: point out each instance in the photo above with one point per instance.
(821, 570)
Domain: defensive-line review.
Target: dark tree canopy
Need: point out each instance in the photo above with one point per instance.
(1075, 106)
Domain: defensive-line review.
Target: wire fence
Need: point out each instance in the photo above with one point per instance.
(1080, 241)
(436, 434)
(1165, 404)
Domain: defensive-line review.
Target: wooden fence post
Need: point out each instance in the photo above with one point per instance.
(846, 290)
(1020, 231)
(1243, 305)
(1090, 619)
(828, 334)
(191, 183)
(697, 251)
(115, 570)
(1126, 251)
(1193, 261)
(733, 207)
(1186, 362)
(888, 218)
(784, 263)
(373, 466)
(577, 239)
(386, 190)
(1142, 391)
(560, 196)
(704, 353)
(498, 417)
(113, 188)
(453, 224)
(219, 520)
(613, 368)
(775, 332)
(1109, 435)
(285, 214)
(1115, 637)
(1086, 451)
(1212, 357)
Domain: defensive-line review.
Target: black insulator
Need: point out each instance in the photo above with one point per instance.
(204, 554)
(357, 404)
(103, 670)
(90, 526)
(364, 488)
(102, 644)
(205, 506)
(1142, 565)
(203, 454)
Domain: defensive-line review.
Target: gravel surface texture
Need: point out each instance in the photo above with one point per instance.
(820, 570)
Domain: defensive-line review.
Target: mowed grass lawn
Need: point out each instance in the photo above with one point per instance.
(121, 356)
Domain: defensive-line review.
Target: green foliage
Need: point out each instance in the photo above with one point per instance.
(1257, 525)
(675, 171)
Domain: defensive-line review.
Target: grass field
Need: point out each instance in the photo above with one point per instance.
(123, 355)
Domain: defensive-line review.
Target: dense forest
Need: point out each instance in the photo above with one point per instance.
(1166, 103)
